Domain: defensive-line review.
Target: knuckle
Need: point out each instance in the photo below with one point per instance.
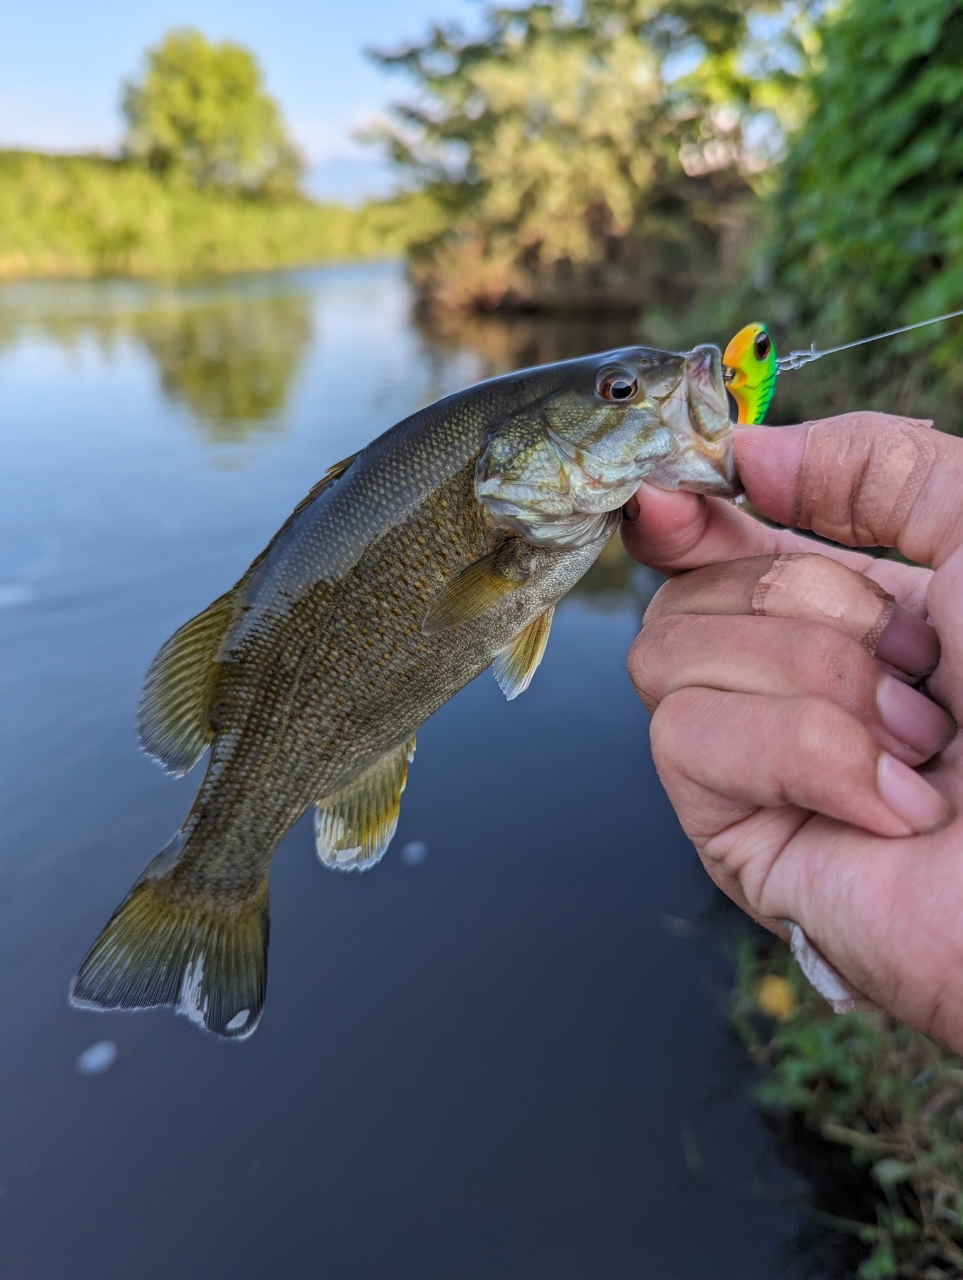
(670, 732)
(652, 651)
(828, 738)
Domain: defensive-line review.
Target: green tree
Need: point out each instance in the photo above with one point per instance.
(869, 215)
(572, 171)
(200, 111)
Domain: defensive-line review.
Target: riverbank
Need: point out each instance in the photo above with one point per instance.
(882, 1102)
(84, 216)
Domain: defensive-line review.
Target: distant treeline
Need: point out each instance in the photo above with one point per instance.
(89, 216)
(208, 181)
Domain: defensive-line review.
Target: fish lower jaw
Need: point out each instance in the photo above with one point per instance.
(702, 467)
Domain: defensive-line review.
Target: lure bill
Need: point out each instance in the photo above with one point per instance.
(751, 365)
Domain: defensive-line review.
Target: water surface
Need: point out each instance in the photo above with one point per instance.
(501, 1054)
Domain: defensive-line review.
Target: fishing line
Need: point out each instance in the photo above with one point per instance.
(796, 359)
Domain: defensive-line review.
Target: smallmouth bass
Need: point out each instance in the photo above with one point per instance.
(438, 550)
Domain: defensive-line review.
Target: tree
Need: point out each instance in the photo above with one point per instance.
(201, 112)
(869, 230)
(571, 171)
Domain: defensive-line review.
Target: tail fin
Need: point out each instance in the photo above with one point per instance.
(165, 946)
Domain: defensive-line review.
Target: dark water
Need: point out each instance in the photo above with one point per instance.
(508, 1059)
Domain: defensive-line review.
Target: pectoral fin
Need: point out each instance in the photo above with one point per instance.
(353, 826)
(174, 718)
(480, 587)
(515, 666)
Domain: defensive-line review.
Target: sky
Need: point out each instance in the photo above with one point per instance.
(62, 63)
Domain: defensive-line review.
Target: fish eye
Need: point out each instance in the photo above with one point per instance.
(617, 384)
(762, 345)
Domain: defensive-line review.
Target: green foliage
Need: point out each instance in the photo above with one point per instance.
(86, 216)
(571, 174)
(201, 112)
(869, 216)
(886, 1094)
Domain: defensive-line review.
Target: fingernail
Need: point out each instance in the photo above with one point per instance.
(631, 509)
(909, 796)
(912, 718)
(909, 643)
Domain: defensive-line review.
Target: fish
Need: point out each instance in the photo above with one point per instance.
(438, 550)
(750, 371)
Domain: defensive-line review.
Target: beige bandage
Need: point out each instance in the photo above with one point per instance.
(861, 474)
(803, 585)
(817, 589)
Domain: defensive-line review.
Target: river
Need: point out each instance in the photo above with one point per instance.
(503, 1053)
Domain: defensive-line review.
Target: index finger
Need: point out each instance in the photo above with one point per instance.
(863, 478)
(676, 531)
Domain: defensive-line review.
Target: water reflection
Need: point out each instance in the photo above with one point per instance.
(231, 363)
(229, 354)
(514, 342)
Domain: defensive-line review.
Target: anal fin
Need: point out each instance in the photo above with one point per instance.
(516, 664)
(354, 825)
(174, 717)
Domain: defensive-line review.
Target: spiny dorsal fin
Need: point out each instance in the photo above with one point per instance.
(515, 665)
(165, 946)
(480, 587)
(353, 826)
(174, 718)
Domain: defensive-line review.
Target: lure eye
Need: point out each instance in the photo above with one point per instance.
(617, 384)
(762, 345)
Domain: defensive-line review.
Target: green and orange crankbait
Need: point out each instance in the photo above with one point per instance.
(751, 366)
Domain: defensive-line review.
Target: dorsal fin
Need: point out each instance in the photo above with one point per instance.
(174, 718)
(516, 664)
(334, 472)
(354, 825)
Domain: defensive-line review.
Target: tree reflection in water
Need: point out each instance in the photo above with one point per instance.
(232, 362)
(227, 351)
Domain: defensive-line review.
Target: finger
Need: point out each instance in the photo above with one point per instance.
(812, 587)
(864, 479)
(790, 659)
(721, 756)
(675, 531)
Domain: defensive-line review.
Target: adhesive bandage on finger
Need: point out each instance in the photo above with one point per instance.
(861, 474)
(816, 589)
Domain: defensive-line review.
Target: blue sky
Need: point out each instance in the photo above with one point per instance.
(61, 64)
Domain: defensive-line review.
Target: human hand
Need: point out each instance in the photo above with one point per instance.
(817, 785)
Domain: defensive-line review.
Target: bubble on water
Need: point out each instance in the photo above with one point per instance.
(99, 1057)
(413, 852)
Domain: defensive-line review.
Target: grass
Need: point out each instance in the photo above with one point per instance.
(81, 216)
(887, 1098)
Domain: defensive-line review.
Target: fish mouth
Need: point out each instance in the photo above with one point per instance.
(706, 393)
(697, 413)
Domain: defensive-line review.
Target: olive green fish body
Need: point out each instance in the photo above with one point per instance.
(437, 551)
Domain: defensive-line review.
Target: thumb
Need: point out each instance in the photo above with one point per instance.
(864, 479)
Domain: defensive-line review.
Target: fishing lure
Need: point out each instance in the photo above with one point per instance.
(751, 366)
